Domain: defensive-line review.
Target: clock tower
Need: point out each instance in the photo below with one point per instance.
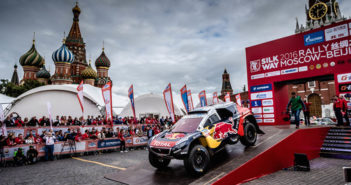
(320, 13)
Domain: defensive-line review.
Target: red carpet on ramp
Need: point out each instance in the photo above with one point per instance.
(279, 156)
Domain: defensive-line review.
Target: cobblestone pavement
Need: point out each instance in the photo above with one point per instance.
(324, 171)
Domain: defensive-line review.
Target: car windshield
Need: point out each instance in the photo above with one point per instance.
(188, 123)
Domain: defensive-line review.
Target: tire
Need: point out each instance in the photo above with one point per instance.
(250, 134)
(233, 139)
(198, 160)
(158, 162)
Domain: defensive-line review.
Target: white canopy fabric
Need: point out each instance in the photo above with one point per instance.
(5, 101)
(149, 104)
(63, 100)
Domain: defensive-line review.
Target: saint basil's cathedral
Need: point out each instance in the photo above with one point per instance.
(71, 66)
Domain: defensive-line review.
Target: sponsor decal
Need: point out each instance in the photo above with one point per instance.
(140, 140)
(325, 65)
(332, 64)
(268, 115)
(257, 76)
(162, 143)
(288, 71)
(311, 67)
(336, 32)
(314, 38)
(92, 144)
(318, 66)
(303, 68)
(268, 120)
(256, 110)
(268, 109)
(255, 66)
(261, 95)
(268, 102)
(223, 129)
(259, 88)
(108, 143)
(256, 103)
(342, 78)
(259, 120)
(345, 87)
(273, 73)
(258, 115)
(174, 136)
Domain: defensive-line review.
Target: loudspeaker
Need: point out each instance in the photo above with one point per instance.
(301, 162)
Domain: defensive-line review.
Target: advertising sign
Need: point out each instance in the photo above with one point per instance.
(259, 88)
(343, 78)
(190, 100)
(140, 140)
(261, 95)
(256, 103)
(256, 110)
(131, 97)
(345, 87)
(184, 96)
(109, 143)
(167, 95)
(202, 97)
(336, 32)
(268, 109)
(268, 102)
(268, 120)
(107, 96)
(268, 115)
(314, 38)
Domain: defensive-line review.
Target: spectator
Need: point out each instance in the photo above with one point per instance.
(344, 110)
(11, 139)
(8, 122)
(85, 135)
(62, 121)
(149, 132)
(338, 107)
(42, 121)
(19, 139)
(30, 139)
(69, 121)
(26, 122)
(307, 113)
(49, 146)
(296, 106)
(33, 122)
(2, 144)
(101, 135)
(19, 122)
(139, 132)
(109, 133)
(19, 157)
(123, 143)
(32, 155)
(56, 121)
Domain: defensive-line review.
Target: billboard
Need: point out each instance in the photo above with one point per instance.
(320, 52)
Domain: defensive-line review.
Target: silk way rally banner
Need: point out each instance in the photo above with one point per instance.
(215, 98)
(80, 96)
(227, 97)
(131, 97)
(167, 95)
(190, 101)
(107, 96)
(238, 99)
(202, 97)
(184, 95)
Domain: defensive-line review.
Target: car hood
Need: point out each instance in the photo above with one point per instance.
(168, 139)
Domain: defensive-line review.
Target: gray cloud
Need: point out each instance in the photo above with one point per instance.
(151, 43)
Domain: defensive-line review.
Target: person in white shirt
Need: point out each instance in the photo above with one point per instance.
(49, 146)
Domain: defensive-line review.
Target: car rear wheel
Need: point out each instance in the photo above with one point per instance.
(158, 162)
(250, 134)
(198, 160)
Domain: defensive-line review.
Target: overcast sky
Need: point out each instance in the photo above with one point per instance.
(153, 42)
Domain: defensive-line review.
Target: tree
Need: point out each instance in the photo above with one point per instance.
(13, 90)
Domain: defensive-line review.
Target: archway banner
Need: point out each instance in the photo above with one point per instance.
(107, 96)
(202, 97)
(167, 95)
(131, 97)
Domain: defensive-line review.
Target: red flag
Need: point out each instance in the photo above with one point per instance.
(167, 95)
(238, 99)
(190, 101)
(107, 96)
(227, 97)
(131, 97)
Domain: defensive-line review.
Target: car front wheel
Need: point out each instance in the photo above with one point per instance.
(198, 160)
(250, 134)
(158, 162)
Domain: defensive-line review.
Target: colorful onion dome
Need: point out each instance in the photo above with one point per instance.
(63, 54)
(32, 58)
(43, 73)
(89, 72)
(102, 60)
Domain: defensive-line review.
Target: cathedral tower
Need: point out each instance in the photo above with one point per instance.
(226, 86)
(63, 59)
(102, 64)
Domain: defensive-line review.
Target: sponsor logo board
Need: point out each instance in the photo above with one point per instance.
(342, 78)
(268, 115)
(268, 109)
(268, 120)
(255, 66)
(314, 38)
(289, 71)
(345, 87)
(259, 120)
(256, 103)
(253, 77)
(258, 115)
(303, 68)
(268, 102)
(336, 32)
(273, 73)
(259, 88)
(261, 95)
(256, 110)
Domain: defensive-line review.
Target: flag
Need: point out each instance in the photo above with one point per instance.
(238, 99)
(202, 97)
(227, 97)
(190, 101)
(167, 95)
(131, 97)
(2, 117)
(215, 98)
(80, 96)
(184, 96)
(107, 96)
(49, 111)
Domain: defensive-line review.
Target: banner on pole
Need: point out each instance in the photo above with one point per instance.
(131, 97)
(202, 97)
(215, 98)
(49, 111)
(80, 96)
(190, 101)
(107, 96)
(227, 97)
(167, 95)
(238, 99)
(184, 96)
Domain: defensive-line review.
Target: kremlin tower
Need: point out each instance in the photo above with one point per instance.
(63, 59)
(102, 64)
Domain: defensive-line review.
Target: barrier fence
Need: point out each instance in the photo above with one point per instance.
(63, 147)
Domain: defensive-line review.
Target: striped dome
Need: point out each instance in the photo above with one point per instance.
(102, 60)
(43, 73)
(63, 54)
(89, 73)
(31, 58)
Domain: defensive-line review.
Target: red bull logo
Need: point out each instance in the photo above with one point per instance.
(222, 130)
(174, 136)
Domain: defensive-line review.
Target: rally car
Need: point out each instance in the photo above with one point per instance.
(201, 134)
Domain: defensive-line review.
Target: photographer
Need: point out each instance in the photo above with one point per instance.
(49, 146)
(32, 155)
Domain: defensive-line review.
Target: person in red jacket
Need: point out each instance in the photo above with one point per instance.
(19, 139)
(338, 107)
(19, 122)
(123, 143)
(344, 110)
(307, 113)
